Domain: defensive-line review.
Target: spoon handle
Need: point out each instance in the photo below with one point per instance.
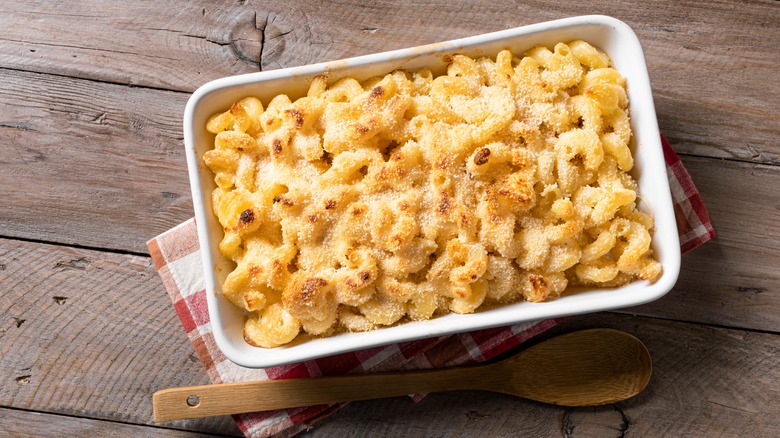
(235, 398)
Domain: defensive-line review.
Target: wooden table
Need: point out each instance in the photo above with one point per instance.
(92, 166)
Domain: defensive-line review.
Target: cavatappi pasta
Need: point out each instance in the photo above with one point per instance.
(410, 195)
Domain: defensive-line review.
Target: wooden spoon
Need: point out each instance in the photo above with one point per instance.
(585, 368)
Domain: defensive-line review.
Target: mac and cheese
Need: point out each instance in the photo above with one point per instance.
(410, 195)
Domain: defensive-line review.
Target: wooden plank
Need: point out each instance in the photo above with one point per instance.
(90, 334)
(706, 382)
(713, 69)
(179, 45)
(18, 423)
(88, 163)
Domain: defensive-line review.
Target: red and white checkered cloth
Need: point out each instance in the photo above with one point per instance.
(176, 254)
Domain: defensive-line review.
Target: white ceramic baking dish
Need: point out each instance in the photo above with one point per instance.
(606, 33)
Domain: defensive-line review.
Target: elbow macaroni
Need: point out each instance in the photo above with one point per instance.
(408, 195)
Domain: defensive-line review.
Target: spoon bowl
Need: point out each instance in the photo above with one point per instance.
(585, 368)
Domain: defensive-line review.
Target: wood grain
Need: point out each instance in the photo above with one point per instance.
(88, 163)
(18, 423)
(89, 333)
(732, 390)
(713, 70)
(177, 45)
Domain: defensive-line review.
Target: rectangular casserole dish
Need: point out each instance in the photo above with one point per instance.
(606, 33)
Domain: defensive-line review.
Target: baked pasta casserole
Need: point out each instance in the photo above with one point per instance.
(406, 196)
